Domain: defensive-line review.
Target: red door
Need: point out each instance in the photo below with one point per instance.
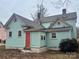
(28, 40)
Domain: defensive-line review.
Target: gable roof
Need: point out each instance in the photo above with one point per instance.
(68, 16)
(32, 24)
(52, 24)
(1, 24)
(16, 16)
(27, 21)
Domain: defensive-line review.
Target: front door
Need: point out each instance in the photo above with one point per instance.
(28, 40)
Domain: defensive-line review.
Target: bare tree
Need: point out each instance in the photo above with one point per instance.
(41, 11)
(61, 4)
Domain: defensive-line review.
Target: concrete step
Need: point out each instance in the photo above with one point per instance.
(1, 44)
(27, 51)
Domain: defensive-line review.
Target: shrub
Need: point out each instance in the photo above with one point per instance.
(68, 45)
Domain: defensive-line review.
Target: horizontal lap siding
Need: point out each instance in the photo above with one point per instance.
(43, 42)
(16, 41)
(73, 24)
(54, 42)
(35, 39)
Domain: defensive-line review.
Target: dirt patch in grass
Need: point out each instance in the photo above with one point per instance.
(16, 54)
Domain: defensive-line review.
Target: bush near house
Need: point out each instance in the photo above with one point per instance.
(68, 45)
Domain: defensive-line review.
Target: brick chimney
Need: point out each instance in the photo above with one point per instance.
(64, 11)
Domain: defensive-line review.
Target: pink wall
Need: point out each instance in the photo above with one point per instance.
(2, 33)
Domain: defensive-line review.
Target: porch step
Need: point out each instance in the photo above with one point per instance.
(34, 50)
(53, 49)
(27, 51)
(1, 44)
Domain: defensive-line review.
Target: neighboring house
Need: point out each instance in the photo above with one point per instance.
(78, 34)
(38, 37)
(2, 33)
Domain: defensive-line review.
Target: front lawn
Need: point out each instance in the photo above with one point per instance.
(16, 54)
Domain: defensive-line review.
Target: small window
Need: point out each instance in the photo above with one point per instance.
(15, 20)
(41, 37)
(53, 35)
(19, 33)
(10, 34)
(44, 37)
(58, 22)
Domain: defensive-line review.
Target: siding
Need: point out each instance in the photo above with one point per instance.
(35, 39)
(56, 25)
(3, 33)
(43, 42)
(73, 24)
(54, 42)
(15, 41)
(46, 25)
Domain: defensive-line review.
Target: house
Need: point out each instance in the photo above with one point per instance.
(77, 34)
(2, 33)
(42, 35)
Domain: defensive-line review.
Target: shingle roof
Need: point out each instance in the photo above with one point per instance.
(1, 24)
(27, 21)
(51, 30)
(68, 16)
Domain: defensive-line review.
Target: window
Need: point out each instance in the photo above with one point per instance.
(28, 27)
(41, 37)
(58, 22)
(44, 37)
(15, 20)
(53, 35)
(10, 34)
(19, 33)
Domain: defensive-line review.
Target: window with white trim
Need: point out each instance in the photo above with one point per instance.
(58, 23)
(10, 34)
(53, 35)
(43, 37)
(19, 33)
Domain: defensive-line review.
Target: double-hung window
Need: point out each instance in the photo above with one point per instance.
(43, 37)
(10, 34)
(19, 33)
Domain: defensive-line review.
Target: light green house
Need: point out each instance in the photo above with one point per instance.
(42, 35)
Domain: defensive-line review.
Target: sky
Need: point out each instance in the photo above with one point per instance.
(27, 7)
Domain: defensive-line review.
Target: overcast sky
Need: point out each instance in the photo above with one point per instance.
(27, 7)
